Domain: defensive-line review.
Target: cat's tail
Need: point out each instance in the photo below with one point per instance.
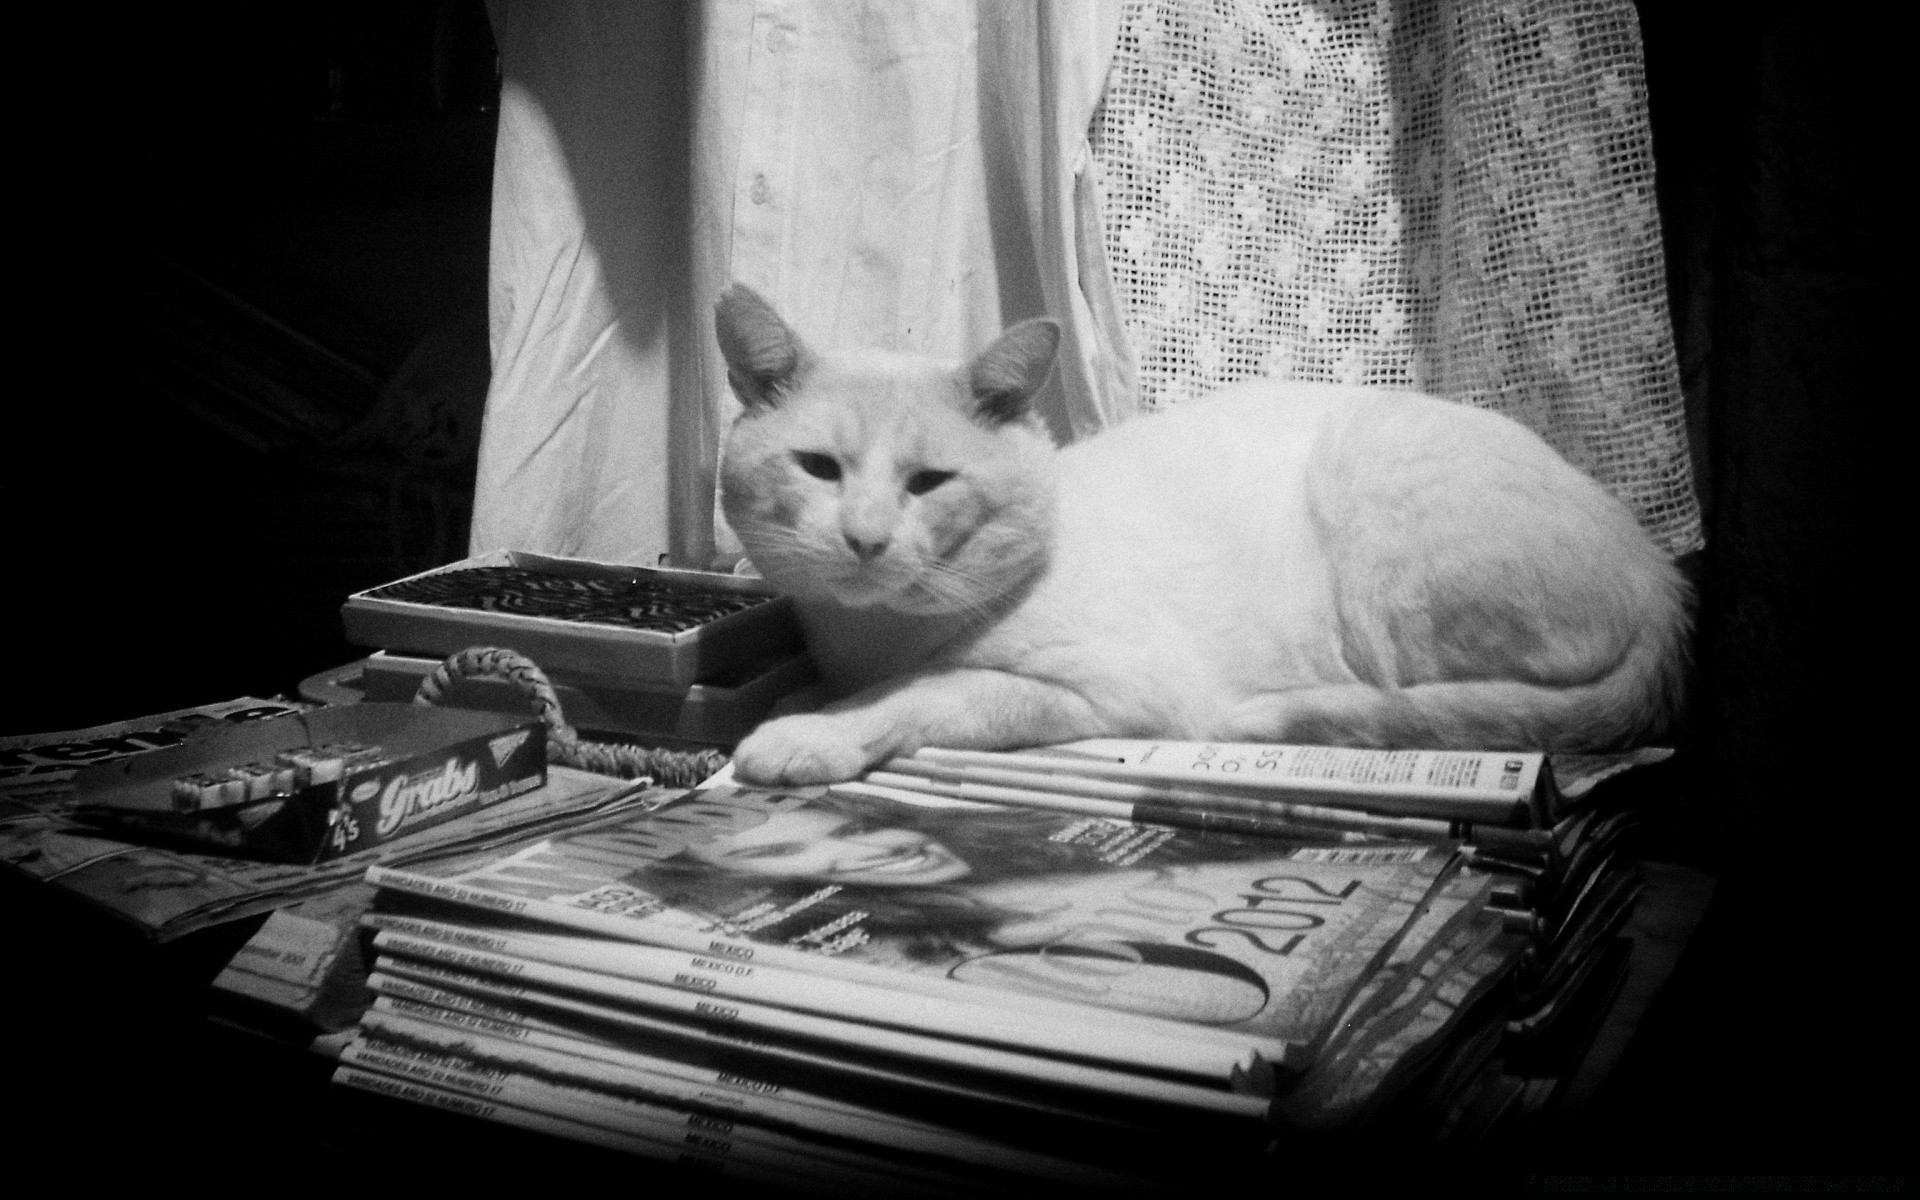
(1640, 698)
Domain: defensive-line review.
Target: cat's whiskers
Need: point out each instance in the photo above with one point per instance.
(779, 553)
(789, 558)
(957, 591)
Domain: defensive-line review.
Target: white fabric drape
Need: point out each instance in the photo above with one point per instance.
(1454, 195)
(590, 426)
(903, 175)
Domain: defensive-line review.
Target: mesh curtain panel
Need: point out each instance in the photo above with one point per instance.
(1447, 195)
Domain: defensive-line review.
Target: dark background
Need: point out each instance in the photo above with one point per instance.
(248, 380)
(260, 334)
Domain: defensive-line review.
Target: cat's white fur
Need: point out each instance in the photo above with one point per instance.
(1280, 562)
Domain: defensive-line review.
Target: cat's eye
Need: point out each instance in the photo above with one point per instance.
(820, 466)
(921, 482)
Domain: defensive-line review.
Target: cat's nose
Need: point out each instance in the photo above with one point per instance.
(866, 550)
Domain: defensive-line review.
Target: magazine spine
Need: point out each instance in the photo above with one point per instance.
(1135, 761)
(1185, 807)
(745, 1104)
(1255, 1055)
(1007, 1017)
(783, 989)
(503, 1010)
(698, 1006)
(413, 1091)
(725, 1088)
(606, 1066)
(986, 1060)
(675, 1131)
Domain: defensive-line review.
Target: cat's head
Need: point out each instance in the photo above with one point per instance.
(882, 479)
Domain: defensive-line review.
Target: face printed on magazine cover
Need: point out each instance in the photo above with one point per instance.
(1052, 948)
(811, 844)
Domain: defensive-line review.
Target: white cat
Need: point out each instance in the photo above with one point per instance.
(1281, 562)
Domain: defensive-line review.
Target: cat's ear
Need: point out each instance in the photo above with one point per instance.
(763, 354)
(1006, 375)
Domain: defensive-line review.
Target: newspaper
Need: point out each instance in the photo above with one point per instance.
(1400, 1022)
(305, 963)
(167, 892)
(1578, 774)
(37, 769)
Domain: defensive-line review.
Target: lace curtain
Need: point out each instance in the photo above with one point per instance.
(1442, 194)
(1448, 195)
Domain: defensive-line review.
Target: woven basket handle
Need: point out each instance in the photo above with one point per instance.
(669, 768)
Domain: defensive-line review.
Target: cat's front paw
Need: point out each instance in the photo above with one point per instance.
(806, 748)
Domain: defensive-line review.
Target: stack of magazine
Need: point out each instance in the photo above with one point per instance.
(966, 973)
(963, 967)
(1558, 850)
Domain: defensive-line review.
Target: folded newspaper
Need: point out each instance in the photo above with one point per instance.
(169, 892)
(37, 769)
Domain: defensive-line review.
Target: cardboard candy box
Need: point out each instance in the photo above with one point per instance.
(433, 764)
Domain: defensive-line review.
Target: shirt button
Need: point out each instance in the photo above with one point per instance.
(779, 39)
(761, 192)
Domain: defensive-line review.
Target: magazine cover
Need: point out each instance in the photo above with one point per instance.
(1258, 937)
